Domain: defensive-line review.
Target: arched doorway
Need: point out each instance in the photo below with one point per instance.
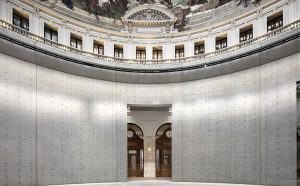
(163, 151)
(135, 150)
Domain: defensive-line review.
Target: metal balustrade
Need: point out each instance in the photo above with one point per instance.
(227, 50)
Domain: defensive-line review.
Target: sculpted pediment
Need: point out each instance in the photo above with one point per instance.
(158, 18)
(149, 15)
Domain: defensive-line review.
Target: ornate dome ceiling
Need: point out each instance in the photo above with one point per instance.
(115, 9)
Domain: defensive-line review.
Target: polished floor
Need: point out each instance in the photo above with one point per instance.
(164, 182)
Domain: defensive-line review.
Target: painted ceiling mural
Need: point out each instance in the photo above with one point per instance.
(115, 9)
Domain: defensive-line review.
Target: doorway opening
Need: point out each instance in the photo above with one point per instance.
(135, 150)
(163, 151)
(149, 137)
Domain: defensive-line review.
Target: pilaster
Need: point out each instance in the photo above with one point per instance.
(233, 35)
(210, 42)
(189, 47)
(149, 52)
(87, 42)
(34, 22)
(259, 25)
(64, 34)
(108, 47)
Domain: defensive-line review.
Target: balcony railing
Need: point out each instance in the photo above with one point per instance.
(227, 50)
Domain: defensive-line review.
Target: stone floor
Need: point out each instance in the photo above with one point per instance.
(161, 182)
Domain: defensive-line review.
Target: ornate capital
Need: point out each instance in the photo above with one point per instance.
(209, 31)
(88, 31)
(108, 37)
(291, 1)
(168, 39)
(36, 11)
(189, 37)
(64, 24)
(130, 39)
(259, 13)
(233, 24)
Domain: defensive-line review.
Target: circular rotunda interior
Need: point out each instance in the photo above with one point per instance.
(149, 92)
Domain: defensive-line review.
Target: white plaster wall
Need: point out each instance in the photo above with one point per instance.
(237, 128)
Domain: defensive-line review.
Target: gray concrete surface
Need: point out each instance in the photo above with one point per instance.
(58, 128)
(156, 183)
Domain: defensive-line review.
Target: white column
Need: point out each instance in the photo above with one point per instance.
(189, 48)
(34, 24)
(259, 26)
(290, 12)
(149, 52)
(210, 44)
(5, 9)
(165, 51)
(133, 51)
(297, 9)
(87, 43)
(64, 36)
(129, 51)
(168, 51)
(233, 37)
(108, 48)
(286, 15)
(149, 157)
(42, 27)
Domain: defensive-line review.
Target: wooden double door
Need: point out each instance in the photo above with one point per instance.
(164, 155)
(135, 155)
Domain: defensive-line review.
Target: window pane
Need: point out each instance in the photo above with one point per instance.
(116, 53)
(138, 54)
(25, 24)
(177, 54)
(196, 50)
(79, 44)
(275, 23)
(101, 50)
(47, 34)
(17, 21)
(121, 53)
(96, 49)
(73, 42)
(181, 53)
(54, 37)
(159, 55)
(154, 55)
(143, 54)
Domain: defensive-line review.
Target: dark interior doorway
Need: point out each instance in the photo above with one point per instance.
(163, 150)
(135, 151)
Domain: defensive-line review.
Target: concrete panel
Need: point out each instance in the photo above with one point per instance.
(18, 122)
(58, 128)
